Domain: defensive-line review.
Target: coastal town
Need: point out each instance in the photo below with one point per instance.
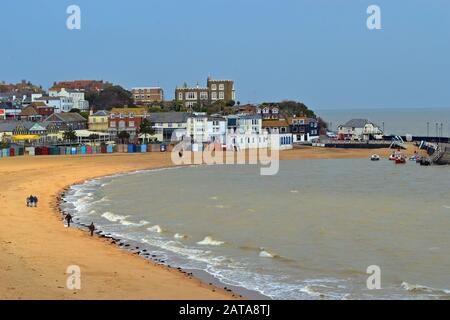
(96, 116)
(90, 112)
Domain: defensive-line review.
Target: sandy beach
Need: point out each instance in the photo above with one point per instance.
(36, 248)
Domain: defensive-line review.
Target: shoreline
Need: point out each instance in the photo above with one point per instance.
(36, 249)
(237, 292)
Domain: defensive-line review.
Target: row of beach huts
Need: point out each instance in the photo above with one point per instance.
(14, 151)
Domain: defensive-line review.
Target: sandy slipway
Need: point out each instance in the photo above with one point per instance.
(36, 249)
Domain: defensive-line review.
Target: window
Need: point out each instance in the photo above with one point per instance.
(214, 95)
(131, 115)
(121, 124)
(214, 86)
(121, 115)
(131, 124)
(203, 95)
(180, 95)
(221, 86)
(113, 124)
(221, 95)
(192, 96)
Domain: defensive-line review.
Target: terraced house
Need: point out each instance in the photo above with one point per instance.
(12, 130)
(126, 119)
(98, 121)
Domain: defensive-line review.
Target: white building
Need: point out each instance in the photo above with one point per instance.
(77, 97)
(249, 124)
(197, 127)
(359, 129)
(217, 129)
(61, 104)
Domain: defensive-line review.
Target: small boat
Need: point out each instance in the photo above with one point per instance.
(393, 157)
(400, 160)
(375, 157)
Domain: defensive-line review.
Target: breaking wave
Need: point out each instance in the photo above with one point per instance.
(417, 288)
(210, 241)
(113, 217)
(156, 229)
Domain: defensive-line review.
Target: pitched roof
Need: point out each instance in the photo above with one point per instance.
(137, 111)
(101, 113)
(29, 111)
(166, 117)
(10, 125)
(274, 123)
(66, 117)
(356, 123)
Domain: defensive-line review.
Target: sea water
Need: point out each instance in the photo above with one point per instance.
(309, 232)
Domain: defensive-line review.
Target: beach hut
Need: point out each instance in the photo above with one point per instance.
(162, 147)
(143, 148)
(82, 150)
(73, 151)
(131, 148)
(54, 151)
(109, 148)
(89, 150)
(30, 151)
(103, 148)
(5, 152)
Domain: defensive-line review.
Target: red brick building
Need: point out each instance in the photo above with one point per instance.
(82, 85)
(126, 119)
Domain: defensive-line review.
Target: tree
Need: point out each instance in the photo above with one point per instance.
(146, 129)
(123, 136)
(84, 114)
(295, 108)
(110, 97)
(93, 136)
(70, 135)
(230, 103)
(75, 110)
(176, 106)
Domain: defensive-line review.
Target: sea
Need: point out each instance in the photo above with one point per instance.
(397, 121)
(316, 230)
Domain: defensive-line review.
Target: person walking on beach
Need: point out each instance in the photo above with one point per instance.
(35, 200)
(91, 229)
(68, 219)
(30, 201)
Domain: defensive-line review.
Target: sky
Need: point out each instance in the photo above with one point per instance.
(316, 51)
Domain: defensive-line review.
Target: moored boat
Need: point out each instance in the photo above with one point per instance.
(400, 160)
(375, 157)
